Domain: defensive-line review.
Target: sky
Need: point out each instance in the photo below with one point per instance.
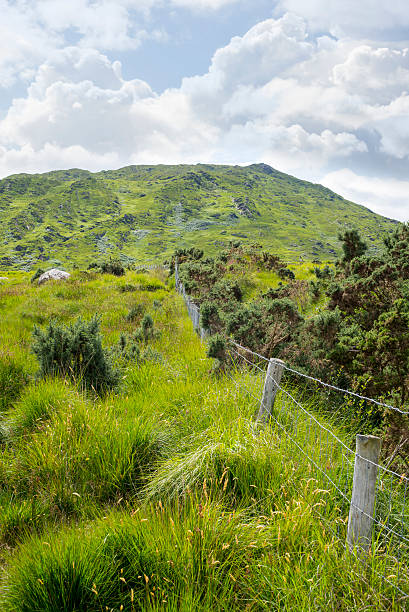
(318, 89)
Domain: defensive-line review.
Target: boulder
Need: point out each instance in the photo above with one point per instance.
(53, 274)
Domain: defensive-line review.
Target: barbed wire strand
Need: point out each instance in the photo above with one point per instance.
(345, 391)
(322, 427)
(317, 380)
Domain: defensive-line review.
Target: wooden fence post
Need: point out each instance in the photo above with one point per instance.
(361, 513)
(273, 377)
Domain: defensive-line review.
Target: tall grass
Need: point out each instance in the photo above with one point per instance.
(160, 495)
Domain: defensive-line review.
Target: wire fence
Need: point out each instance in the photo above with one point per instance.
(329, 462)
(192, 308)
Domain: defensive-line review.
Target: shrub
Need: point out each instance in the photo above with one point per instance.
(75, 351)
(113, 266)
(352, 245)
(127, 288)
(37, 274)
(217, 350)
(286, 273)
(147, 326)
(135, 312)
(150, 287)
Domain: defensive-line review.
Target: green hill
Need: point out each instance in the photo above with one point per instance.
(144, 212)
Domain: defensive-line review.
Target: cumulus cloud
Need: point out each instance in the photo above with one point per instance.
(389, 197)
(53, 157)
(79, 108)
(376, 74)
(201, 5)
(78, 98)
(365, 18)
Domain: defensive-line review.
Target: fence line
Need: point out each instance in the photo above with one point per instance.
(192, 308)
(333, 462)
(324, 384)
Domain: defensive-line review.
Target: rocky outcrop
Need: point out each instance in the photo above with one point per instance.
(53, 274)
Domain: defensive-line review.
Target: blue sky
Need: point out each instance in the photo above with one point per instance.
(318, 89)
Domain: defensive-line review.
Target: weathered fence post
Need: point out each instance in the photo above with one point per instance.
(273, 377)
(176, 274)
(361, 513)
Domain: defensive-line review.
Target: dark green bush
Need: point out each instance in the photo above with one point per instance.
(150, 287)
(135, 312)
(37, 274)
(147, 326)
(75, 351)
(217, 350)
(127, 288)
(113, 266)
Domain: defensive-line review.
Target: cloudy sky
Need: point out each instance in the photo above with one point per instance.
(315, 88)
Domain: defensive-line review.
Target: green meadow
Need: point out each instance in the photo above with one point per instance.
(159, 494)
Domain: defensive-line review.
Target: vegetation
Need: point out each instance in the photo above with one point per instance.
(140, 213)
(352, 320)
(75, 351)
(157, 494)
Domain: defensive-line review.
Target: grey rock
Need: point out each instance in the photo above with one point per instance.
(53, 274)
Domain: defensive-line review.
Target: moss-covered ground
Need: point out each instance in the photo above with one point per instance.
(139, 213)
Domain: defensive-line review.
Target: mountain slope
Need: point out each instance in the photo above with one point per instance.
(145, 212)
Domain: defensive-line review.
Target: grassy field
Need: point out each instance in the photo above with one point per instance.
(158, 495)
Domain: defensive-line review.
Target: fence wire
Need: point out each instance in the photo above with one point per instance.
(192, 308)
(330, 462)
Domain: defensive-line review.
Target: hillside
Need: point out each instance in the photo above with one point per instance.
(145, 212)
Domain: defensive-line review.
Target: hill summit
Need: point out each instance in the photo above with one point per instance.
(141, 213)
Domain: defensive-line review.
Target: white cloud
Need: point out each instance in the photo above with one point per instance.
(265, 51)
(79, 104)
(389, 197)
(103, 24)
(376, 74)
(23, 42)
(359, 18)
(52, 157)
(200, 5)
(78, 98)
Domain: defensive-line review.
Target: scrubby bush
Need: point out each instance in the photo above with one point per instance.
(135, 312)
(113, 266)
(286, 273)
(127, 288)
(147, 326)
(37, 275)
(217, 350)
(75, 351)
(151, 287)
(129, 349)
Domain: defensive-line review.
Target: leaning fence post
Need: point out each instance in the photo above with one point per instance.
(273, 377)
(361, 513)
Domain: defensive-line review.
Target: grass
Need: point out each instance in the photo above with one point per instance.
(140, 213)
(161, 495)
